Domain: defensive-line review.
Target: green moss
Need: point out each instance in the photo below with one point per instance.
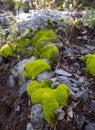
(62, 93)
(41, 37)
(33, 68)
(34, 85)
(50, 98)
(90, 63)
(50, 52)
(6, 51)
(49, 106)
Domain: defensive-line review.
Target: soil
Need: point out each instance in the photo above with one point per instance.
(10, 119)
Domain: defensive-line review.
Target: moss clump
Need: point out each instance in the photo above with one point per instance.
(6, 51)
(33, 68)
(90, 63)
(41, 37)
(50, 52)
(50, 98)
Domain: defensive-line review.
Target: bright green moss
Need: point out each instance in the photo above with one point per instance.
(33, 68)
(6, 51)
(62, 93)
(90, 63)
(34, 85)
(41, 37)
(49, 106)
(50, 52)
(50, 98)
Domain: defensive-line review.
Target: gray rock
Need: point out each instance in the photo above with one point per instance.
(23, 88)
(59, 45)
(83, 52)
(65, 80)
(1, 60)
(17, 109)
(83, 95)
(37, 117)
(93, 105)
(44, 75)
(39, 19)
(59, 113)
(80, 122)
(11, 81)
(3, 21)
(76, 65)
(82, 80)
(55, 84)
(63, 72)
(75, 81)
(46, 60)
(29, 126)
(18, 69)
(75, 89)
(90, 126)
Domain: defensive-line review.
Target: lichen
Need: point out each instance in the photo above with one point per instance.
(6, 51)
(33, 68)
(50, 52)
(50, 98)
(90, 63)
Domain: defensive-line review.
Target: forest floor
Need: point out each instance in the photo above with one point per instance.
(10, 119)
(9, 98)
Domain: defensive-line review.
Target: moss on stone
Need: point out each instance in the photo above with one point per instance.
(33, 68)
(6, 51)
(90, 63)
(50, 52)
(50, 98)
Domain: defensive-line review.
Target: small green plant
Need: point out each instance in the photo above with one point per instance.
(43, 37)
(88, 19)
(90, 63)
(50, 52)
(50, 98)
(6, 51)
(33, 68)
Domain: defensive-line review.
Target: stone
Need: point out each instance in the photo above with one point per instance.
(26, 7)
(55, 84)
(80, 122)
(90, 126)
(59, 45)
(82, 80)
(18, 69)
(75, 81)
(65, 80)
(75, 89)
(62, 72)
(85, 51)
(59, 113)
(83, 95)
(93, 105)
(36, 116)
(11, 81)
(39, 19)
(29, 126)
(44, 75)
(1, 60)
(23, 88)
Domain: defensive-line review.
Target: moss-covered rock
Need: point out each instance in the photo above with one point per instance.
(50, 98)
(50, 52)
(6, 51)
(90, 63)
(32, 69)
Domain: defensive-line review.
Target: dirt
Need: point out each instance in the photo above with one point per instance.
(10, 119)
